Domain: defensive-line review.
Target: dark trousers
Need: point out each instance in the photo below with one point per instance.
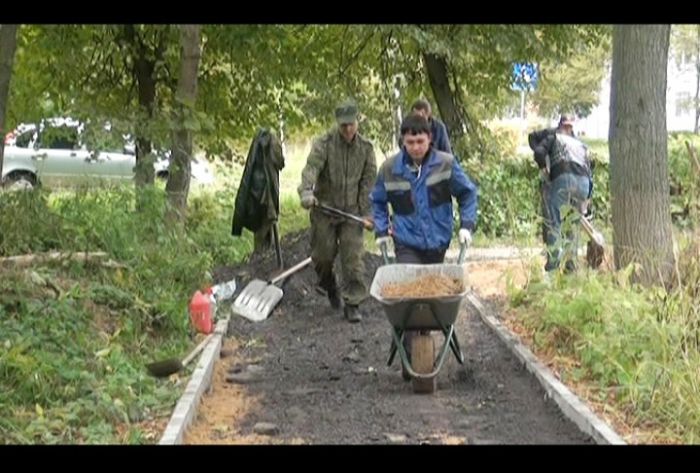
(406, 254)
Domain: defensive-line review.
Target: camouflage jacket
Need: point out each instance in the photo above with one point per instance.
(340, 174)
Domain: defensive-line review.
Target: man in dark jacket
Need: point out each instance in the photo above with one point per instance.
(257, 200)
(565, 179)
(438, 130)
(339, 173)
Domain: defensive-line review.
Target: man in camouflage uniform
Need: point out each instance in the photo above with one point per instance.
(339, 172)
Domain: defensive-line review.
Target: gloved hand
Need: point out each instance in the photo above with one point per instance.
(465, 237)
(308, 201)
(383, 240)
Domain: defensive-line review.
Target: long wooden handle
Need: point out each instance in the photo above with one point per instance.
(367, 224)
(291, 270)
(595, 235)
(197, 349)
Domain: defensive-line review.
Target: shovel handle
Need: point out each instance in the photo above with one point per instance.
(278, 248)
(367, 224)
(595, 235)
(197, 350)
(291, 270)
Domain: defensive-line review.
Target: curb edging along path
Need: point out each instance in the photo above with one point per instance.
(570, 404)
(186, 408)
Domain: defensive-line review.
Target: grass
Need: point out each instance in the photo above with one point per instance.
(74, 338)
(636, 347)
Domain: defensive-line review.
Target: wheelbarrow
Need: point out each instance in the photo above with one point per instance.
(422, 315)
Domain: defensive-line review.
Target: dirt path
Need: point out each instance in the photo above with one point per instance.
(321, 380)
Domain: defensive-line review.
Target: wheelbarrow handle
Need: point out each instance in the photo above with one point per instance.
(385, 252)
(462, 253)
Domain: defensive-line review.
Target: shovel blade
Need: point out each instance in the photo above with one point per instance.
(164, 368)
(257, 300)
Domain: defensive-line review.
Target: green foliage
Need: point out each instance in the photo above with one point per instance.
(572, 85)
(71, 369)
(32, 232)
(639, 347)
(685, 191)
(259, 75)
(74, 337)
(509, 201)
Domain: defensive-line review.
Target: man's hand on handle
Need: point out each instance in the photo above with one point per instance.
(465, 237)
(308, 201)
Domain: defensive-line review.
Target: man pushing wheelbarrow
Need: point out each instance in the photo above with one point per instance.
(419, 183)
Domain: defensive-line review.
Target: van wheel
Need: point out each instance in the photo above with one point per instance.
(20, 181)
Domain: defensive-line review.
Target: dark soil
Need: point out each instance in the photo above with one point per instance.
(322, 380)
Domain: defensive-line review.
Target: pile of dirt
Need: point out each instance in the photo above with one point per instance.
(430, 285)
(299, 287)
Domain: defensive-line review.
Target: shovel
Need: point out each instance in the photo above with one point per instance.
(595, 235)
(257, 300)
(367, 224)
(164, 368)
(596, 250)
(278, 248)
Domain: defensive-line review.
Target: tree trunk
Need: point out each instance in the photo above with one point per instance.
(145, 58)
(697, 83)
(144, 68)
(8, 45)
(639, 179)
(446, 103)
(179, 177)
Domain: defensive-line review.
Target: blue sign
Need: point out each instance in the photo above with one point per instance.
(524, 76)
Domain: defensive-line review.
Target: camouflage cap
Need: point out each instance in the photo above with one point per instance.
(346, 112)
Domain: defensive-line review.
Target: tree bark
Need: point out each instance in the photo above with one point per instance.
(444, 96)
(179, 176)
(8, 45)
(697, 83)
(144, 65)
(639, 180)
(144, 68)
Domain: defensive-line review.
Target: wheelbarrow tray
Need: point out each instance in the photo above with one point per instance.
(419, 313)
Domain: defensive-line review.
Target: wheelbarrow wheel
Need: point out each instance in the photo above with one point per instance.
(422, 360)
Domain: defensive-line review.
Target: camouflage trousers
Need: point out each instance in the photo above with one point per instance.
(330, 237)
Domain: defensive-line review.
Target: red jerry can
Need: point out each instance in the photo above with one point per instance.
(201, 312)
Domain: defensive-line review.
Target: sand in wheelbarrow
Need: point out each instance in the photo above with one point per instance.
(430, 285)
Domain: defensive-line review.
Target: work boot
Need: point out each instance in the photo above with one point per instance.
(334, 298)
(353, 314)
